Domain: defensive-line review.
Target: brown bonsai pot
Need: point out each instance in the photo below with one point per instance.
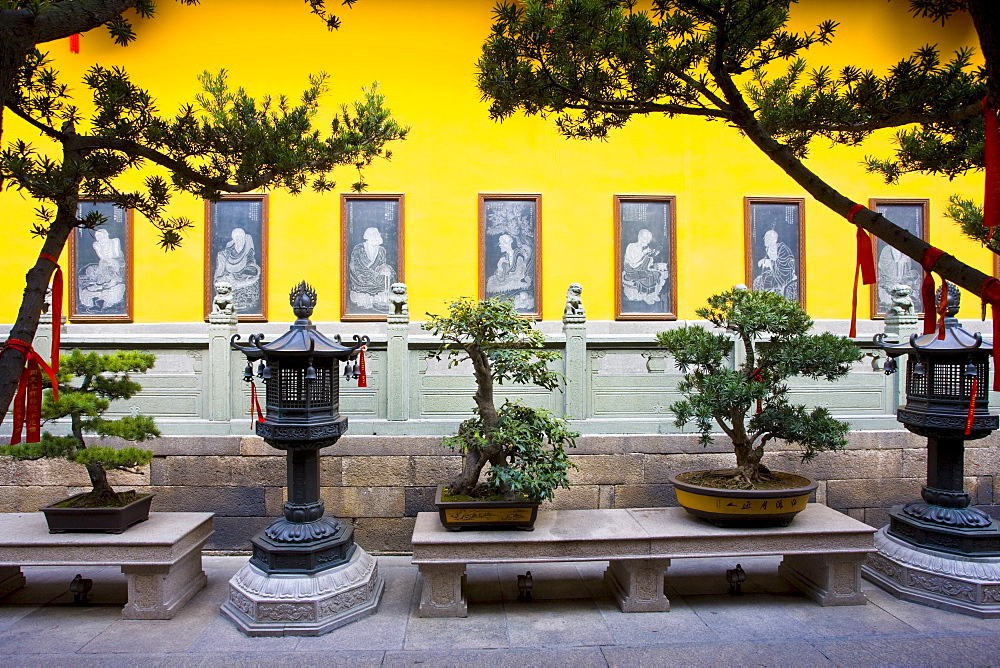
(744, 507)
(457, 515)
(102, 520)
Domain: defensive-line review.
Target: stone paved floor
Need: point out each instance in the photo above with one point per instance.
(571, 623)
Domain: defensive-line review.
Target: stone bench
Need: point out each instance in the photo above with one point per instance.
(823, 550)
(161, 557)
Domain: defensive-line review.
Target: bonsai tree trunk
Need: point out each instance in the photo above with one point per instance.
(102, 492)
(476, 459)
(748, 459)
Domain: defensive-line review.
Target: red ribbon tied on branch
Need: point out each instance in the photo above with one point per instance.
(864, 269)
(27, 407)
(991, 163)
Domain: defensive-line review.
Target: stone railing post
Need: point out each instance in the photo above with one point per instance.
(221, 385)
(397, 363)
(575, 355)
(42, 343)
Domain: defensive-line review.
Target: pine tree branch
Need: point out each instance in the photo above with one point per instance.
(966, 112)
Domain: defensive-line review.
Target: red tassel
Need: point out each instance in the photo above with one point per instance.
(74, 43)
(991, 161)
(362, 375)
(972, 406)
(254, 405)
(931, 256)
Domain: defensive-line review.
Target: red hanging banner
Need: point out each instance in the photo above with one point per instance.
(74, 43)
(991, 163)
(33, 402)
(19, 408)
(27, 406)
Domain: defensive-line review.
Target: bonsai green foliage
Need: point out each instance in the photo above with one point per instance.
(525, 447)
(87, 386)
(772, 332)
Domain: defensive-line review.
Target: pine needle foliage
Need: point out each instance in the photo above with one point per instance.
(771, 333)
(88, 383)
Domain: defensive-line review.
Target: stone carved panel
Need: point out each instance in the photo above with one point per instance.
(242, 603)
(346, 600)
(940, 585)
(885, 567)
(285, 612)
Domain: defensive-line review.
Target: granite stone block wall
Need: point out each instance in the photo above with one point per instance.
(380, 483)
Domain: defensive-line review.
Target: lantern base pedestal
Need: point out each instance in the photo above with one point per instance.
(958, 538)
(303, 604)
(969, 585)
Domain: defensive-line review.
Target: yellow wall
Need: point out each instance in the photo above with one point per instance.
(423, 54)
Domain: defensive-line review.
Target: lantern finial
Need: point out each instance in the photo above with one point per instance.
(303, 300)
(954, 297)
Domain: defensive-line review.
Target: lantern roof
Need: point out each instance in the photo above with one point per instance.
(952, 341)
(302, 337)
(956, 341)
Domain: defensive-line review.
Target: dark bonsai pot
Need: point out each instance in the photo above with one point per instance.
(102, 520)
(744, 507)
(457, 515)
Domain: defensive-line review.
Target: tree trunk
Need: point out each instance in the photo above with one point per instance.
(36, 283)
(748, 460)
(910, 245)
(102, 491)
(986, 19)
(475, 460)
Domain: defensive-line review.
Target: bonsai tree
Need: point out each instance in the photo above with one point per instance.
(524, 446)
(87, 385)
(750, 402)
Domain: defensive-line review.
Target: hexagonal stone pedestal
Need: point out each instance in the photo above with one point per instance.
(302, 604)
(966, 584)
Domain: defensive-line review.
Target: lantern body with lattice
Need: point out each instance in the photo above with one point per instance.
(947, 401)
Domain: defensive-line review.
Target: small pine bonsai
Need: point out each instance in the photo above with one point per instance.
(87, 385)
(750, 403)
(525, 447)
